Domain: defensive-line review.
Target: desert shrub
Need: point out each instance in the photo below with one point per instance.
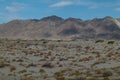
(118, 72)
(58, 74)
(77, 73)
(27, 74)
(87, 47)
(60, 78)
(31, 65)
(22, 71)
(106, 78)
(59, 40)
(20, 60)
(26, 78)
(99, 41)
(117, 79)
(12, 68)
(80, 78)
(47, 65)
(62, 59)
(99, 71)
(107, 74)
(18, 40)
(110, 42)
(42, 71)
(44, 42)
(2, 64)
(93, 79)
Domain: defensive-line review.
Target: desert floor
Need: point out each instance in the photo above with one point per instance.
(59, 59)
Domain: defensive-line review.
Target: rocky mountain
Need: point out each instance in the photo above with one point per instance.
(54, 27)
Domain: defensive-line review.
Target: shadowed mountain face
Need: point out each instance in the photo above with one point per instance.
(54, 27)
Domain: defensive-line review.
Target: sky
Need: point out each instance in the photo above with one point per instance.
(37, 9)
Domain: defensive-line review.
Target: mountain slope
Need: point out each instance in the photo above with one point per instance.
(54, 27)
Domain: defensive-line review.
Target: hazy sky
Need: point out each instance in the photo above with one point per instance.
(84, 9)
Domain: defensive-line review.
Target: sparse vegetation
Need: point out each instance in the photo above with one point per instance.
(59, 60)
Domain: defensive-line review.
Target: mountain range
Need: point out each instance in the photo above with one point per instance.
(54, 27)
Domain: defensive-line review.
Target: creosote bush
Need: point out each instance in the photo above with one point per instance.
(12, 68)
(47, 65)
(93, 79)
(99, 41)
(22, 71)
(2, 64)
(107, 74)
(111, 42)
(42, 70)
(106, 78)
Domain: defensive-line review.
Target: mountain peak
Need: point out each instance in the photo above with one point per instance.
(52, 18)
(72, 19)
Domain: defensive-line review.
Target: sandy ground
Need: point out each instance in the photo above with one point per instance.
(59, 59)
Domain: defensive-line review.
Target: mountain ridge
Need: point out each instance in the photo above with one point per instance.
(54, 27)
